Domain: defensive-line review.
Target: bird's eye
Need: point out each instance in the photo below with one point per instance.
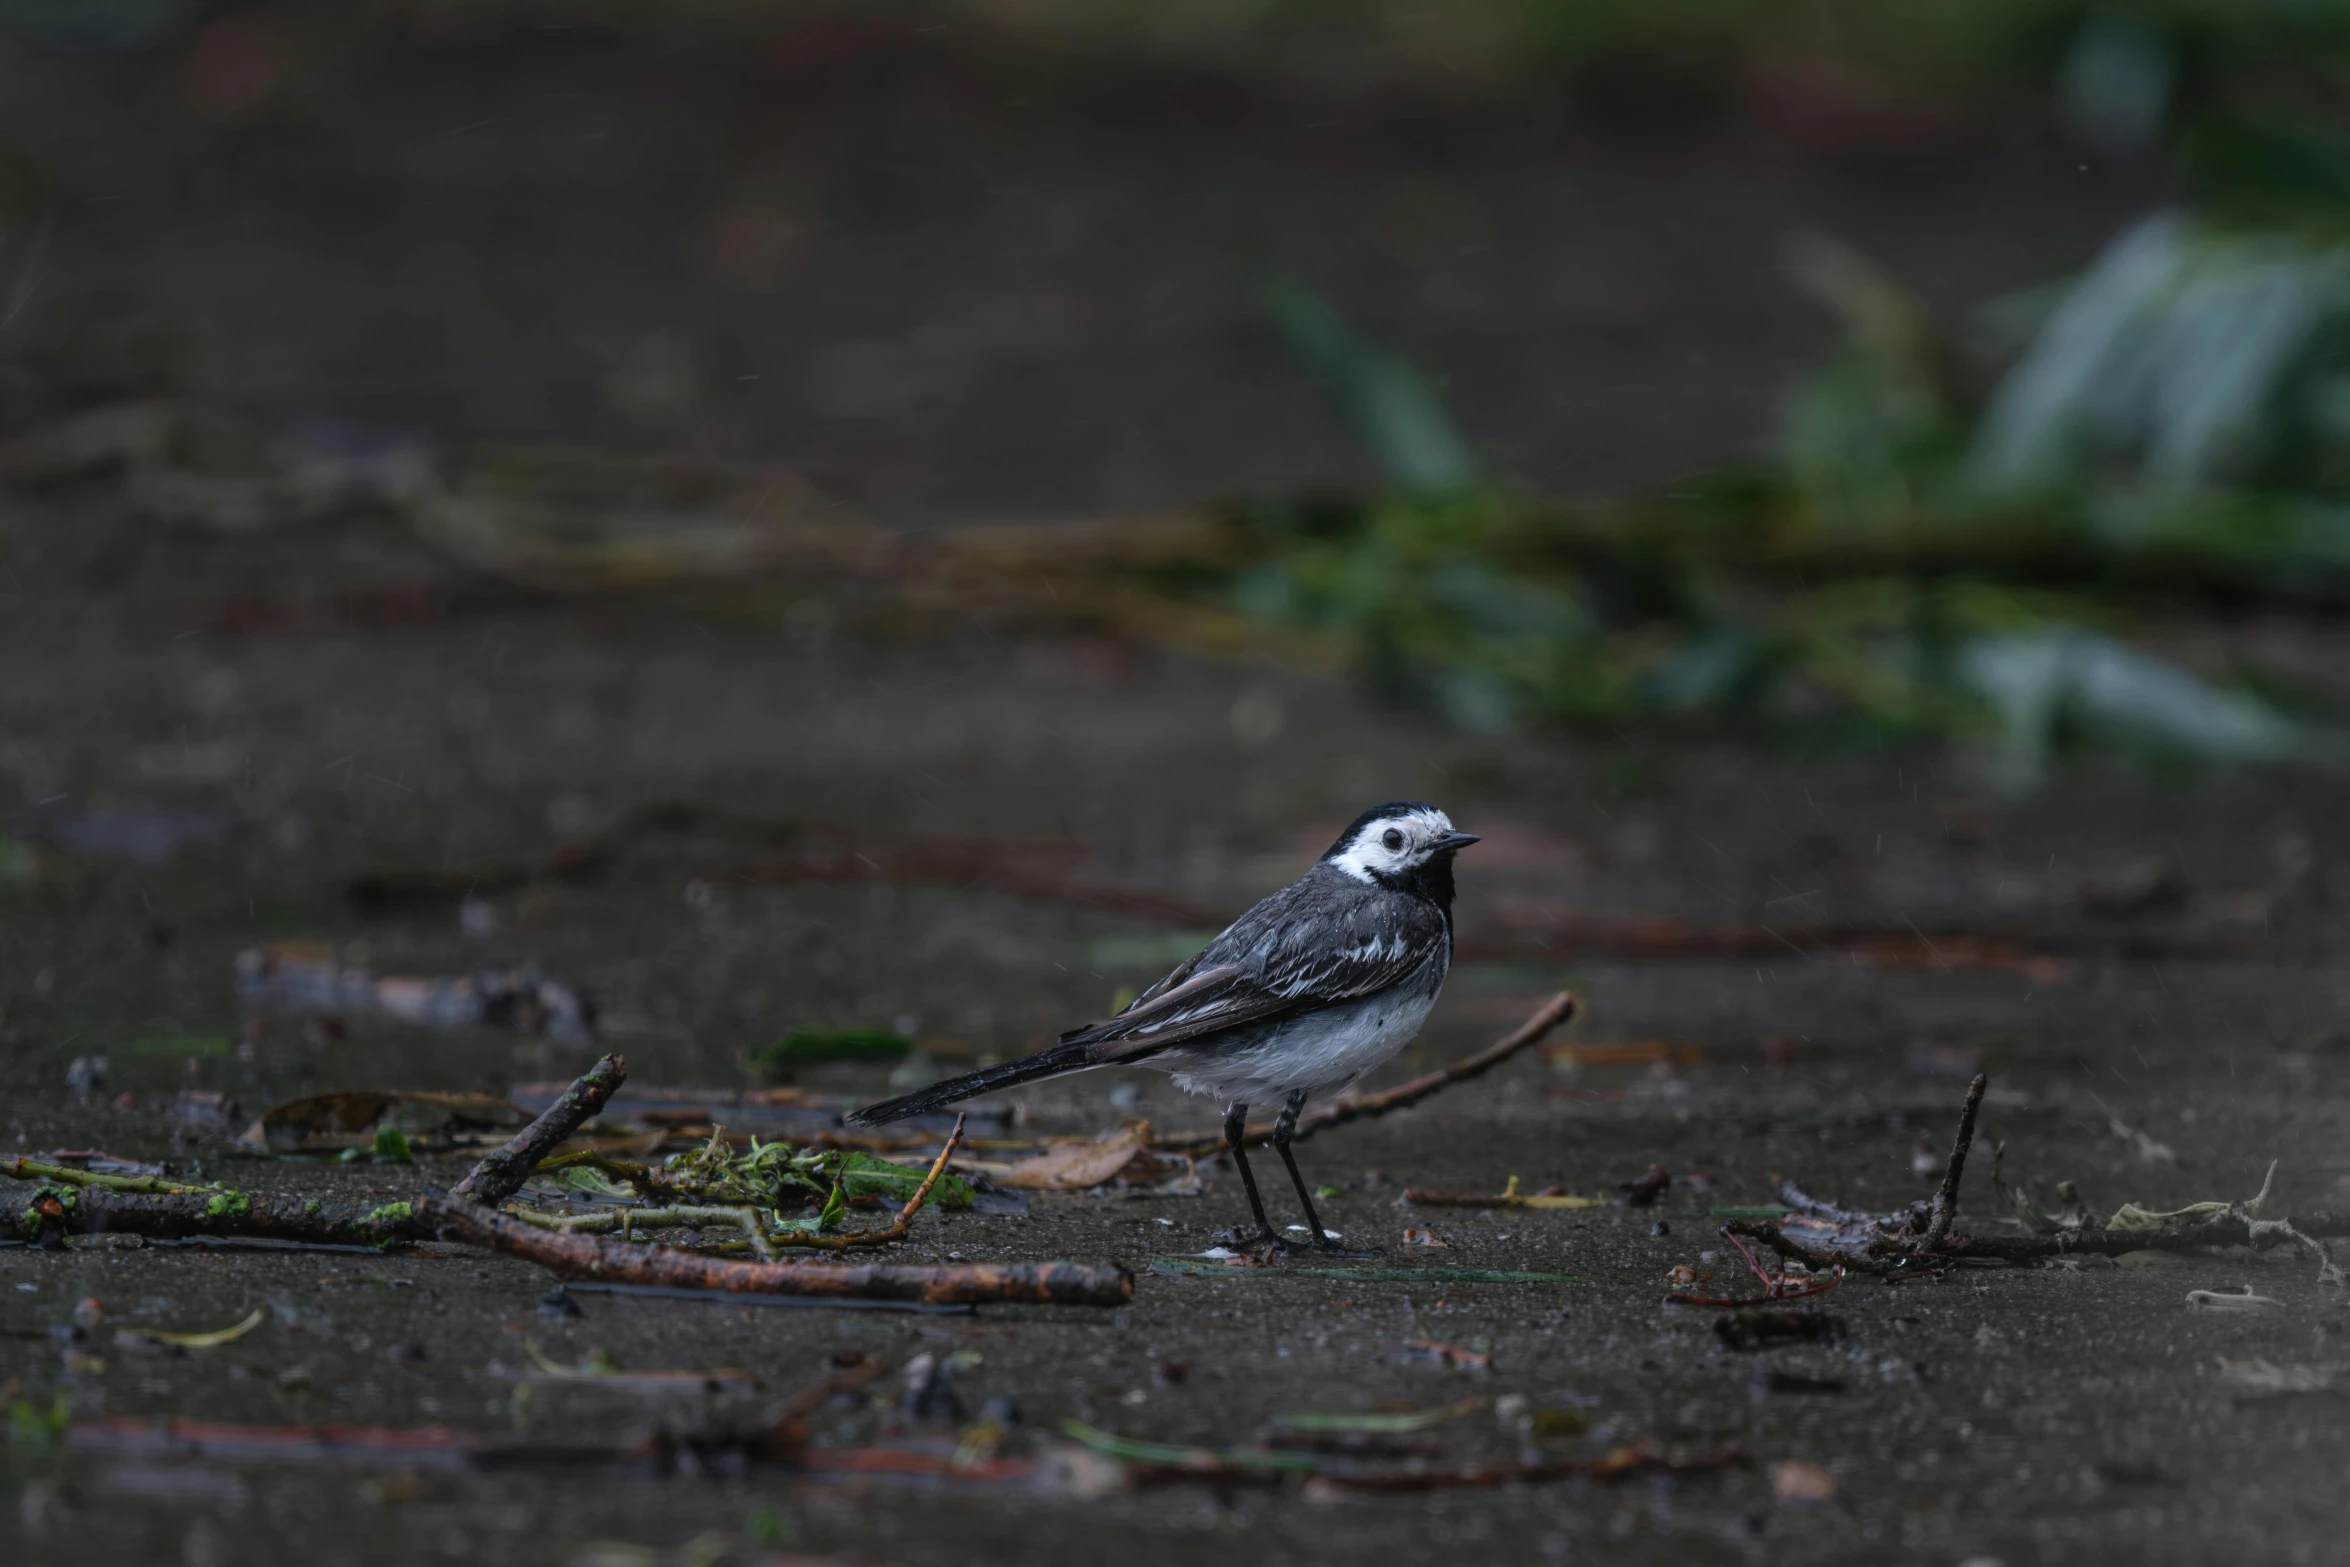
(1392, 838)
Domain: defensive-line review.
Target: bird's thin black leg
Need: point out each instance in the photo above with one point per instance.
(1284, 1127)
(1236, 1129)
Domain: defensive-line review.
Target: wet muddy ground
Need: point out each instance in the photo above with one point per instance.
(192, 793)
(2040, 1414)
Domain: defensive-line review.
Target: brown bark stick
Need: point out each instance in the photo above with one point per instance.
(578, 1256)
(182, 1215)
(501, 1173)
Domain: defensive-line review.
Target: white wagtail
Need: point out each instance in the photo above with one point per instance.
(1302, 995)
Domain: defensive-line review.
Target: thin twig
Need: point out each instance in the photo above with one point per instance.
(937, 1168)
(1777, 1286)
(683, 1215)
(65, 1175)
(755, 1228)
(764, 1241)
(899, 1228)
(1946, 1198)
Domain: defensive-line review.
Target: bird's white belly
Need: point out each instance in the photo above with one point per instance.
(1319, 1053)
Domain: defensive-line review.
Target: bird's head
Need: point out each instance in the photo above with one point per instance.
(1400, 844)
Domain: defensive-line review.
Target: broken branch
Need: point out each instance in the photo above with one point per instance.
(501, 1173)
(585, 1257)
(185, 1215)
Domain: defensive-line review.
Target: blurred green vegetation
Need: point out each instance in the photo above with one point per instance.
(1951, 541)
(1965, 524)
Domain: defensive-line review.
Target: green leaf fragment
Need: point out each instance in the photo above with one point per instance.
(1166, 1455)
(1379, 1423)
(864, 1175)
(31, 1426)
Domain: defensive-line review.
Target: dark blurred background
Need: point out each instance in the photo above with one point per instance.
(1698, 440)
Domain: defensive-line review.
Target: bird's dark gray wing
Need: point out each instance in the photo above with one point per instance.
(1321, 940)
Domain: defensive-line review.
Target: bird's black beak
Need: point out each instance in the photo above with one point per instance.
(1456, 840)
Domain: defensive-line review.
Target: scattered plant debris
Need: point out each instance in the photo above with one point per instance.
(1826, 1238)
(598, 1367)
(1508, 1197)
(211, 1340)
(1380, 1423)
(77, 1202)
(1777, 1283)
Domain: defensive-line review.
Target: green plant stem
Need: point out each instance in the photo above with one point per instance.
(34, 1170)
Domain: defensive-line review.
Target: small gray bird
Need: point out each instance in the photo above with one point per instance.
(1302, 995)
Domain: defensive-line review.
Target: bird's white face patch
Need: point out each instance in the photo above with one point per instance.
(1392, 845)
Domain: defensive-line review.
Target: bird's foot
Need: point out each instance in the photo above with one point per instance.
(1253, 1240)
(1265, 1243)
(1263, 1247)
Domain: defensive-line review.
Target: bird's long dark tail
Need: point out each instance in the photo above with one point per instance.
(1045, 1063)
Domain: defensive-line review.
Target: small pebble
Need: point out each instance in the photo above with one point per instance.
(1660, 1228)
